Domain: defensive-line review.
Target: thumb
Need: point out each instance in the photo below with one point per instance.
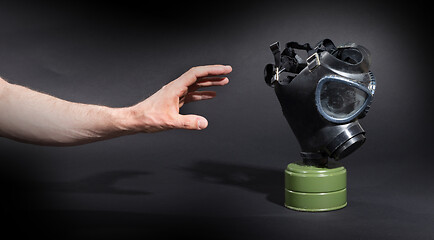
(193, 122)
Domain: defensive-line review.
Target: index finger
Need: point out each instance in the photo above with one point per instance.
(194, 73)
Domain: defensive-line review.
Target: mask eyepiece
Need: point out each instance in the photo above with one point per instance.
(341, 100)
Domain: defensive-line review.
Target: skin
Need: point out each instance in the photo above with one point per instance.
(37, 118)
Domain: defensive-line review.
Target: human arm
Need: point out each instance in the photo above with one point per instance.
(34, 117)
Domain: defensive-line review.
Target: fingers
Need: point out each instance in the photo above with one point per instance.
(188, 83)
(208, 82)
(195, 73)
(200, 95)
(212, 81)
(192, 122)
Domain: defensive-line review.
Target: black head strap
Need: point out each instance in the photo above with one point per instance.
(275, 48)
(288, 64)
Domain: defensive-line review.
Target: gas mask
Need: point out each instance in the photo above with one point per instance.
(323, 97)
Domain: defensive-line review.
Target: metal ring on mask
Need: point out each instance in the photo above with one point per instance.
(337, 78)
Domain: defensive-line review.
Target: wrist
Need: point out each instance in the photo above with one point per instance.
(124, 120)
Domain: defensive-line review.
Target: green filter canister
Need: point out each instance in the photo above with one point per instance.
(315, 189)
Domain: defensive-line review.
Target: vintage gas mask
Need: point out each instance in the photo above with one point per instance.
(323, 97)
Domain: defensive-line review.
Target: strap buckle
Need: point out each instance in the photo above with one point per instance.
(313, 62)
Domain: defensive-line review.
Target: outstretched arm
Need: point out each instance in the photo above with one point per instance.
(33, 117)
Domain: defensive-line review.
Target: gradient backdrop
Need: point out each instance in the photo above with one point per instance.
(225, 182)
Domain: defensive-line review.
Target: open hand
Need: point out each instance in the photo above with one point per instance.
(161, 110)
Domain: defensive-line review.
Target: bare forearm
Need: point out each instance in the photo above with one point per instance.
(30, 116)
(33, 117)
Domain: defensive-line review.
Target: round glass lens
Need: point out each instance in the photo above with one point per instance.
(340, 100)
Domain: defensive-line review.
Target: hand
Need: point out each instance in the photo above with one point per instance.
(161, 110)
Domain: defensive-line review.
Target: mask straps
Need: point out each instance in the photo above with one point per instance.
(325, 45)
(288, 61)
(275, 48)
(295, 45)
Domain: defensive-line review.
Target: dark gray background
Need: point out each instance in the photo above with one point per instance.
(224, 182)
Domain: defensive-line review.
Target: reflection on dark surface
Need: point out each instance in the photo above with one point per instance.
(100, 183)
(262, 180)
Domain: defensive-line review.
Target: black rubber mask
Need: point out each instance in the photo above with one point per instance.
(323, 97)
